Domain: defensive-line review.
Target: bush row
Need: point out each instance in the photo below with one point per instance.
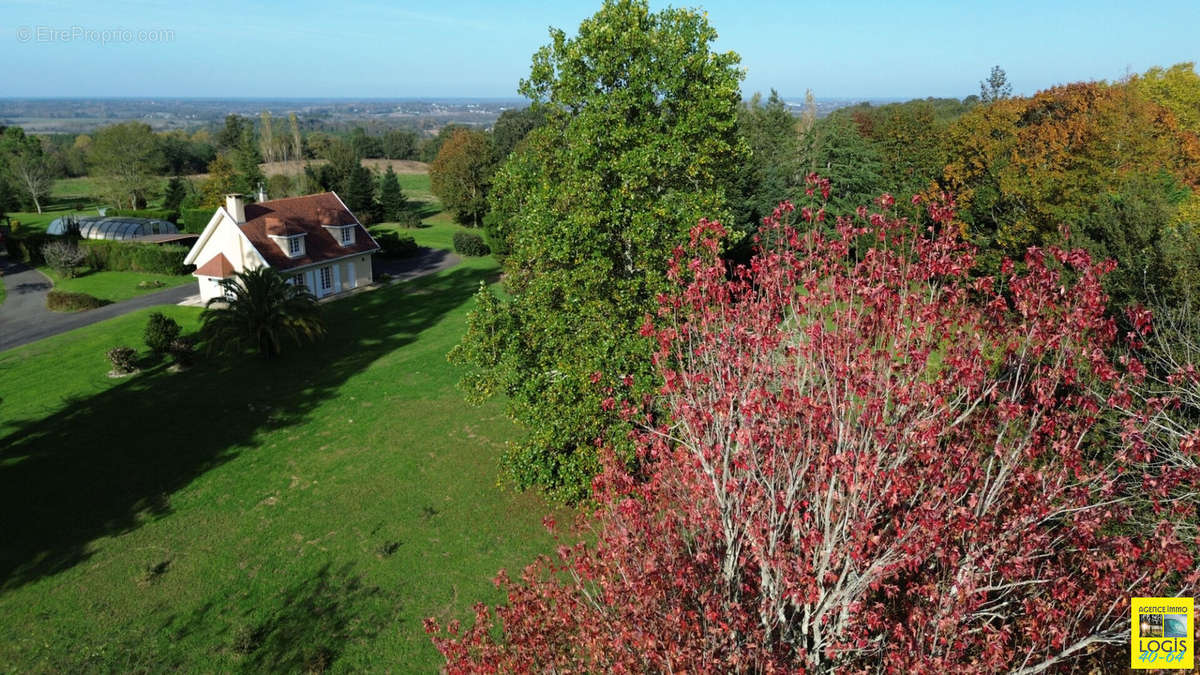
(64, 301)
(119, 256)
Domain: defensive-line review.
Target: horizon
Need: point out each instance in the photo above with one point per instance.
(864, 50)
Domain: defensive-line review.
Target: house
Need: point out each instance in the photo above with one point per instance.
(314, 241)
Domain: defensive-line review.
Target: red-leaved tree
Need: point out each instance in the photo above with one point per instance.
(873, 461)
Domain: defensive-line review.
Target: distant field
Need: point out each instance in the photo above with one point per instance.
(296, 167)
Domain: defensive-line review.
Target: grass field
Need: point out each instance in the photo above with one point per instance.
(250, 515)
(115, 286)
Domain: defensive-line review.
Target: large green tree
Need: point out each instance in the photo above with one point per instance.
(774, 171)
(24, 164)
(639, 144)
(392, 202)
(512, 127)
(834, 149)
(358, 191)
(460, 174)
(127, 158)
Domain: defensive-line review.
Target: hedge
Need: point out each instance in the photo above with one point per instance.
(118, 256)
(194, 220)
(27, 247)
(64, 301)
(169, 215)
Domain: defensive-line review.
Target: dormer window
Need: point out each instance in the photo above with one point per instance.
(289, 238)
(334, 223)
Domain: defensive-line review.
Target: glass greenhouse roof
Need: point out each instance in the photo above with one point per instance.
(110, 227)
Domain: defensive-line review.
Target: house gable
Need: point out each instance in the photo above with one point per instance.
(223, 236)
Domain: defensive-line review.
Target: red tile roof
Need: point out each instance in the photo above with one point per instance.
(297, 215)
(219, 266)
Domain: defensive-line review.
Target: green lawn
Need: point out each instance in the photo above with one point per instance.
(252, 515)
(83, 188)
(115, 286)
(416, 186)
(437, 231)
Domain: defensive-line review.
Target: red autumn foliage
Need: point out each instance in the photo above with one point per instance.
(875, 461)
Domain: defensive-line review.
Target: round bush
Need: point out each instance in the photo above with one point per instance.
(122, 359)
(469, 243)
(161, 332)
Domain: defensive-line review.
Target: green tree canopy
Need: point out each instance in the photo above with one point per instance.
(127, 157)
(773, 172)
(460, 174)
(640, 143)
(392, 201)
(836, 150)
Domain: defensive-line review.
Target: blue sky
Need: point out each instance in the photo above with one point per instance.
(304, 48)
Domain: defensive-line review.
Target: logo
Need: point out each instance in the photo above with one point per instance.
(1163, 633)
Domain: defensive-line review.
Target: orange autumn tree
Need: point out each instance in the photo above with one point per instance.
(1102, 160)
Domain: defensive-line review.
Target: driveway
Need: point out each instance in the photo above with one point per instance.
(24, 317)
(426, 261)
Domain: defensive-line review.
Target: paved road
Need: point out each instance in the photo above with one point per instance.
(428, 261)
(24, 317)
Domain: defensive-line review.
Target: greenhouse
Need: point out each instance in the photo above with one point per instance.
(110, 227)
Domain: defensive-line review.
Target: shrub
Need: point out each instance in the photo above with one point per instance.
(119, 256)
(394, 245)
(64, 301)
(161, 332)
(122, 359)
(183, 351)
(63, 256)
(469, 243)
(409, 218)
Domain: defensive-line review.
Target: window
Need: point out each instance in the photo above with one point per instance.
(326, 278)
(298, 280)
(347, 236)
(294, 246)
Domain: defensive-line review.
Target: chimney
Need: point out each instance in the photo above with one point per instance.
(262, 193)
(235, 204)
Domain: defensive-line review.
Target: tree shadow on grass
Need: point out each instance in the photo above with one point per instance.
(105, 463)
(304, 627)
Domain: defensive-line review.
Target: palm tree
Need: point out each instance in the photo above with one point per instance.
(260, 309)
